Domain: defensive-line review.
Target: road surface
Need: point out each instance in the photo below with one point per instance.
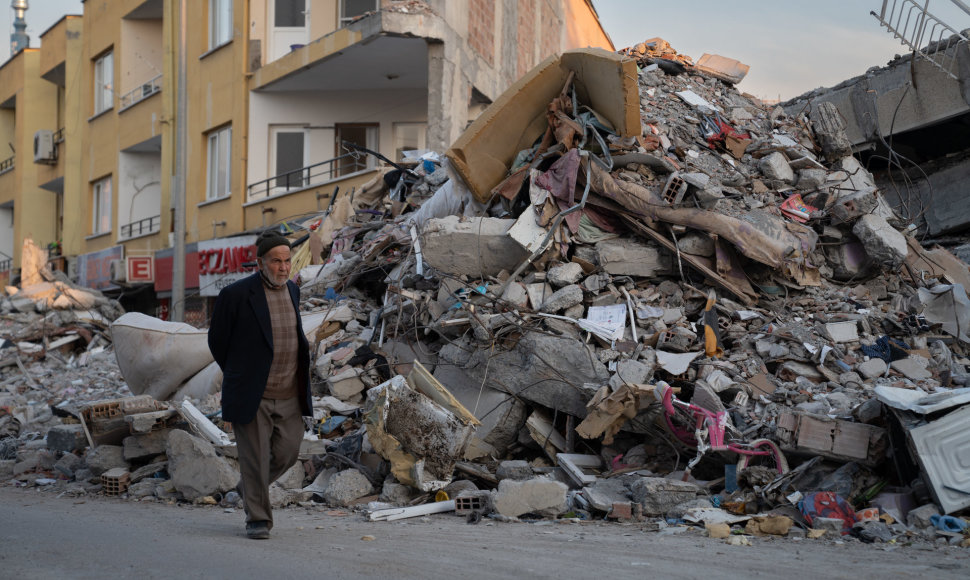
(45, 536)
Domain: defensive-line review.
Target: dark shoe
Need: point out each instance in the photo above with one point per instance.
(257, 531)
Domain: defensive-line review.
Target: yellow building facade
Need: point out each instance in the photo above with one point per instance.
(273, 91)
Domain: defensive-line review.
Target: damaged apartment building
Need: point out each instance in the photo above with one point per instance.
(274, 91)
(908, 122)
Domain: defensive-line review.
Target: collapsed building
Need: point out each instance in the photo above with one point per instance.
(506, 332)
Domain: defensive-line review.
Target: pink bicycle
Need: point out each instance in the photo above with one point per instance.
(705, 431)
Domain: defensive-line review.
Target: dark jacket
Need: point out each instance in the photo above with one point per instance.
(241, 341)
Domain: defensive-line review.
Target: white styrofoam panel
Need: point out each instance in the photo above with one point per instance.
(943, 449)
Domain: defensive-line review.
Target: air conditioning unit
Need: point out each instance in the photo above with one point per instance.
(44, 149)
(118, 271)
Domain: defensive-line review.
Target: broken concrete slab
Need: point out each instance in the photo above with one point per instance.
(105, 457)
(66, 438)
(775, 166)
(882, 242)
(476, 247)
(514, 469)
(540, 496)
(629, 257)
(872, 368)
(345, 487)
(145, 445)
(658, 495)
(547, 370)
(564, 274)
(196, 469)
(562, 299)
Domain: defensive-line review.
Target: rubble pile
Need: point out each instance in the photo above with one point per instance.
(515, 328)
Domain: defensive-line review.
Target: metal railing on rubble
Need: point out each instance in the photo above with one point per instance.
(141, 92)
(148, 225)
(922, 32)
(306, 176)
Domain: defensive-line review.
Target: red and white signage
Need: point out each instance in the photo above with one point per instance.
(141, 269)
(223, 261)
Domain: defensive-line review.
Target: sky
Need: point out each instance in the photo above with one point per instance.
(792, 46)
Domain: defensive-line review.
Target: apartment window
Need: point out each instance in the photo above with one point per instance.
(289, 153)
(220, 22)
(217, 168)
(289, 13)
(101, 206)
(408, 137)
(362, 134)
(104, 83)
(350, 9)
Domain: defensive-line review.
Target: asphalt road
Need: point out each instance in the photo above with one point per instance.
(45, 536)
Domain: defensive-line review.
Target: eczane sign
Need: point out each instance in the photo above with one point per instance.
(221, 262)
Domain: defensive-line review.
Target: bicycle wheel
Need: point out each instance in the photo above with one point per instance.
(769, 455)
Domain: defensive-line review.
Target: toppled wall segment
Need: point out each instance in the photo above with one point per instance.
(604, 80)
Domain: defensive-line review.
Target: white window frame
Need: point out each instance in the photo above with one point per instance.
(218, 182)
(101, 206)
(220, 22)
(345, 20)
(301, 181)
(104, 91)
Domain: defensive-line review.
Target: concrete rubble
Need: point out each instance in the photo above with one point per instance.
(526, 302)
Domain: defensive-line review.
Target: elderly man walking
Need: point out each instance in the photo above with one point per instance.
(256, 336)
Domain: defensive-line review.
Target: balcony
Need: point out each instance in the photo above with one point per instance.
(142, 227)
(140, 93)
(7, 164)
(309, 176)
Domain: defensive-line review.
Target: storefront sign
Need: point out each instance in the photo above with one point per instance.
(94, 269)
(141, 269)
(223, 261)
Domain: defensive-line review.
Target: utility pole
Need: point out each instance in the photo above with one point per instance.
(177, 309)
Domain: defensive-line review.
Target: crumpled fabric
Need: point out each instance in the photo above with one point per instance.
(888, 349)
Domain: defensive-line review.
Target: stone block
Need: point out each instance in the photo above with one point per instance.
(658, 495)
(539, 496)
(775, 166)
(66, 438)
(105, 457)
(6, 469)
(195, 468)
(345, 487)
(811, 179)
(882, 242)
(518, 470)
(562, 299)
(564, 274)
(142, 489)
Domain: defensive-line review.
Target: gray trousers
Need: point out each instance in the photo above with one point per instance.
(268, 446)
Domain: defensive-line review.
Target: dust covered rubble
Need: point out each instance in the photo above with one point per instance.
(725, 248)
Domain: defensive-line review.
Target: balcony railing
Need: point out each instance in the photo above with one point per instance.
(308, 176)
(142, 92)
(141, 227)
(59, 135)
(6, 264)
(7, 164)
